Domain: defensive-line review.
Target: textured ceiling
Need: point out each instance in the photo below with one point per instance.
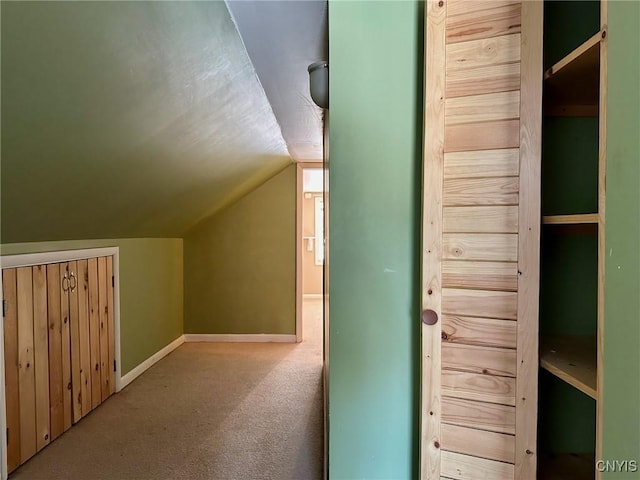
(283, 38)
(125, 119)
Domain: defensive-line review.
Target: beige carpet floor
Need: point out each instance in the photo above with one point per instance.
(206, 411)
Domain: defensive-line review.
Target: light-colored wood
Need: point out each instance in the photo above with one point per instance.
(529, 241)
(458, 7)
(482, 108)
(83, 335)
(482, 136)
(478, 359)
(482, 163)
(41, 355)
(473, 25)
(570, 219)
(483, 53)
(67, 405)
(465, 467)
(479, 331)
(572, 359)
(480, 275)
(104, 328)
(94, 333)
(476, 81)
(26, 375)
(11, 367)
(479, 387)
(501, 247)
(481, 191)
(481, 219)
(567, 61)
(432, 236)
(54, 312)
(74, 325)
(484, 416)
(481, 303)
(111, 326)
(602, 191)
(479, 443)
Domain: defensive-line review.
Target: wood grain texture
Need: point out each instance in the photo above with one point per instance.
(529, 240)
(11, 367)
(473, 25)
(482, 136)
(74, 325)
(94, 333)
(111, 326)
(479, 443)
(480, 246)
(67, 405)
(481, 191)
(482, 163)
(490, 79)
(572, 359)
(483, 52)
(458, 7)
(480, 387)
(480, 303)
(484, 416)
(602, 192)
(104, 328)
(465, 467)
(433, 160)
(480, 219)
(26, 374)
(482, 108)
(83, 336)
(479, 331)
(41, 355)
(56, 406)
(479, 359)
(480, 275)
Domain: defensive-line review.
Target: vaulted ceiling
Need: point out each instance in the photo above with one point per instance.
(138, 119)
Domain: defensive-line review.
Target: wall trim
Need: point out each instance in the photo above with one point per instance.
(43, 258)
(239, 338)
(312, 296)
(149, 362)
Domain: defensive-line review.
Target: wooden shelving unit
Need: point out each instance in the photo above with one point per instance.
(574, 86)
(572, 359)
(579, 219)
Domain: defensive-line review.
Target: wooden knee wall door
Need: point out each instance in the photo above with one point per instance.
(481, 236)
(59, 349)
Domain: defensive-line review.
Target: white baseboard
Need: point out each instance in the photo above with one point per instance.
(149, 362)
(239, 337)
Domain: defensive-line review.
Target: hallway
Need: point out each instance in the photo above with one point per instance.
(206, 411)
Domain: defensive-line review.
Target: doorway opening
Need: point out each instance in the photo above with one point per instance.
(310, 253)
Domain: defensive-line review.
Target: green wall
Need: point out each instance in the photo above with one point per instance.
(240, 264)
(375, 51)
(151, 280)
(622, 299)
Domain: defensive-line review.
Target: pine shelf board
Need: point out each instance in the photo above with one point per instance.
(573, 360)
(567, 466)
(570, 219)
(572, 85)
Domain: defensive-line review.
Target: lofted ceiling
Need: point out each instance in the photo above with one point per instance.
(133, 119)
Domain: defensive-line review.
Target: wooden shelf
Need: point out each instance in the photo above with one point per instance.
(567, 466)
(572, 85)
(570, 219)
(572, 359)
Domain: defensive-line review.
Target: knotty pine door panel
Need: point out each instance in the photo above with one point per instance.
(483, 103)
(59, 348)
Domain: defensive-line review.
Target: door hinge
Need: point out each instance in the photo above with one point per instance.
(114, 366)
(4, 308)
(7, 435)
(113, 281)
